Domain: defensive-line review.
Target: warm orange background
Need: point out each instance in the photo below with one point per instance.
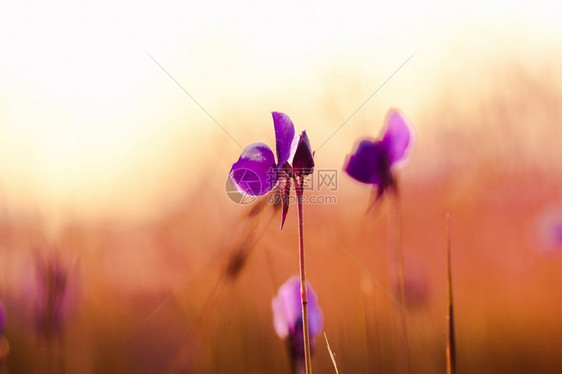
(106, 161)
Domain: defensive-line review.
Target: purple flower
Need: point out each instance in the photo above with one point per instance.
(53, 299)
(287, 316)
(374, 161)
(550, 230)
(416, 289)
(256, 172)
(557, 233)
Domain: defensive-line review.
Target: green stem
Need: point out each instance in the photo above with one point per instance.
(304, 298)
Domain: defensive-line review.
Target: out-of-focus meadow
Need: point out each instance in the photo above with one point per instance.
(113, 183)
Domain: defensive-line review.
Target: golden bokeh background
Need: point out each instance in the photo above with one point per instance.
(119, 122)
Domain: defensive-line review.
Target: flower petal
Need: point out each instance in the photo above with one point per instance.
(398, 136)
(315, 317)
(287, 309)
(254, 173)
(285, 137)
(303, 161)
(369, 163)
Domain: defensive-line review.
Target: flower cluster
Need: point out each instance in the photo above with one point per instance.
(257, 172)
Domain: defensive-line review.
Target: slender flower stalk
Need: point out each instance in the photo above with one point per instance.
(450, 350)
(399, 250)
(304, 297)
(396, 237)
(371, 327)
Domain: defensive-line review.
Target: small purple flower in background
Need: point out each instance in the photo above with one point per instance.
(374, 161)
(54, 295)
(550, 230)
(287, 317)
(416, 287)
(256, 172)
(557, 234)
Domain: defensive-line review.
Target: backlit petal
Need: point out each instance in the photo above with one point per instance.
(398, 136)
(287, 309)
(303, 161)
(285, 137)
(254, 173)
(369, 163)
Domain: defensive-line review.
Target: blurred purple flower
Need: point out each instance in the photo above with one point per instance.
(287, 316)
(2, 318)
(550, 230)
(52, 299)
(374, 161)
(416, 287)
(557, 234)
(256, 172)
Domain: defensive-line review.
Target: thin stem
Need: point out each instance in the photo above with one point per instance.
(297, 365)
(398, 243)
(450, 351)
(372, 331)
(404, 366)
(304, 298)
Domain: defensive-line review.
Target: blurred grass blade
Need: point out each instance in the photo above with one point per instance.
(450, 350)
(332, 355)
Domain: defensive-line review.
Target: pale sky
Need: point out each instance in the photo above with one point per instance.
(85, 112)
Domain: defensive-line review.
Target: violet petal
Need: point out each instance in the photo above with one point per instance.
(254, 173)
(315, 317)
(284, 136)
(287, 309)
(369, 163)
(398, 136)
(303, 161)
